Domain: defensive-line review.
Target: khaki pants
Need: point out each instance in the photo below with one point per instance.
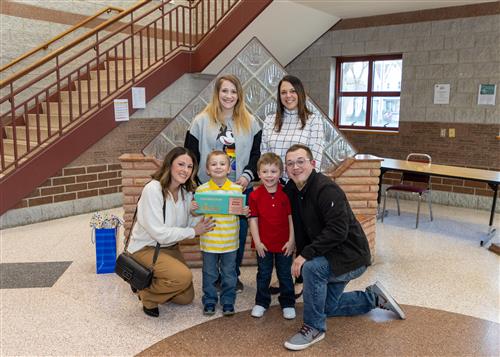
(172, 279)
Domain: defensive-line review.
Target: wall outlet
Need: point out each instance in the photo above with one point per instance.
(443, 133)
(451, 132)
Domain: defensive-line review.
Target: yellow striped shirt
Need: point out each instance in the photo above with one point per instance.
(224, 238)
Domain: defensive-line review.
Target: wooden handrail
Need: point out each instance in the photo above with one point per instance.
(73, 43)
(61, 35)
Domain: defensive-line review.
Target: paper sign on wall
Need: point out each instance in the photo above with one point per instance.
(138, 97)
(441, 93)
(121, 109)
(486, 94)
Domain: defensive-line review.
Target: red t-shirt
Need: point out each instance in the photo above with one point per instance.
(272, 210)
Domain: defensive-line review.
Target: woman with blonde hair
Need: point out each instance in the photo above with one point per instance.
(225, 124)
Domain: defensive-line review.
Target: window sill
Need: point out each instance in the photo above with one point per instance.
(370, 131)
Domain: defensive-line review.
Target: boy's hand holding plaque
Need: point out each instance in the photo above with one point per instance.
(220, 203)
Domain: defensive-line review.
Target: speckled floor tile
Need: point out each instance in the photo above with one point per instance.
(425, 332)
(438, 266)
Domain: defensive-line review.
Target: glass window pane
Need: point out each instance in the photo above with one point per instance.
(387, 75)
(385, 112)
(353, 111)
(354, 77)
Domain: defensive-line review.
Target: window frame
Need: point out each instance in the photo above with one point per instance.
(369, 94)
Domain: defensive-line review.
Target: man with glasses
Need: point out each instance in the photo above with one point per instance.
(332, 249)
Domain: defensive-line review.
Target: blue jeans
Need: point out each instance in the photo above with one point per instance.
(243, 235)
(324, 294)
(215, 264)
(283, 265)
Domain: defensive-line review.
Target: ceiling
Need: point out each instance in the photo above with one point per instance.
(346, 9)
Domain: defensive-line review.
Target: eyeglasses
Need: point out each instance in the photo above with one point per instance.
(299, 162)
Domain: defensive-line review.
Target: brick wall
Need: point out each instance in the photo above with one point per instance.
(474, 146)
(76, 182)
(358, 178)
(457, 45)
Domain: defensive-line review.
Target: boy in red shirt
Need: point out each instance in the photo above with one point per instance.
(272, 232)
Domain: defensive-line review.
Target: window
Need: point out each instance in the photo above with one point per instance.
(367, 91)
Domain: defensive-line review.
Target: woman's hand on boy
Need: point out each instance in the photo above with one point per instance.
(288, 248)
(243, 182)
(261, 249)
(206, 224)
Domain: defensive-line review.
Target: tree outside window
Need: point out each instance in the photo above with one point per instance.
(368, 91)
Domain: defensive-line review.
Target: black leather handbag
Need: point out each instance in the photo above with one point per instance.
(137, 275)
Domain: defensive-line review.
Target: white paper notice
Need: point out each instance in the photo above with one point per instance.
(487, 94)
(138, 97)
(121, 109)
(441, 94)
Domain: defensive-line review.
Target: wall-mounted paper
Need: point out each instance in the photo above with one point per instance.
(121, 109)
(138, 97)
(441, 94)
(486, 94)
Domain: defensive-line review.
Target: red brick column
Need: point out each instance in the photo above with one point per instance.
(358, 177)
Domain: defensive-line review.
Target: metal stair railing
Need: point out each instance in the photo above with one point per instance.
(43, 101)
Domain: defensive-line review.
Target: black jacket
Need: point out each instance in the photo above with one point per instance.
(325, 225)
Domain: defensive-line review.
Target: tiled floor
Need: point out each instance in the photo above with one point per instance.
(439, 266)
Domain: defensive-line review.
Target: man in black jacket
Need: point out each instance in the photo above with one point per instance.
(332, 249)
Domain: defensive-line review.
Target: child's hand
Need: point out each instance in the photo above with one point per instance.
(246, 211)
(261, 249)
(194, 207)
(288, 248)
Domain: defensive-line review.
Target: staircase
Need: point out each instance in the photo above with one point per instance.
(48, 120)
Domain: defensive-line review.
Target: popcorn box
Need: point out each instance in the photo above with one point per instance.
(220, 203)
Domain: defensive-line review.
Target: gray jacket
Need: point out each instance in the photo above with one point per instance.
(201, 138)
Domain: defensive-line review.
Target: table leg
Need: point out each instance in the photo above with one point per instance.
(379, 195)
(491, 228)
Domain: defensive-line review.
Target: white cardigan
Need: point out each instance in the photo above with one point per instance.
(149, 228)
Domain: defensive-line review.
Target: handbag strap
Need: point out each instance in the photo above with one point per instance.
(127, 239)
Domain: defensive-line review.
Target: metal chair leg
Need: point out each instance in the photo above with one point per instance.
(418, 209)
(397, 200)
(429, 198)
(383, 209)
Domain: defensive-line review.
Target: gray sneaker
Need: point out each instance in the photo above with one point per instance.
(386, 301)
(306, 336)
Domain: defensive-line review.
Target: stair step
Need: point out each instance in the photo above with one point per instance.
(84, 97)
(128, 64)
(104, 85)
(54, 120)
(8, 146)
(103, 74)
(8, 159)
(21, 132)
(54, 108)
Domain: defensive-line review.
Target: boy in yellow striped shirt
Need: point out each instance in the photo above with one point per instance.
(219, 246)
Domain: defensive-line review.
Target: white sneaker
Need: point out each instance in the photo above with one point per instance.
(289, 313)
(258, 311)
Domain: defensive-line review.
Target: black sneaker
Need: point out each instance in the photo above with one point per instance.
(209, 309)
(239, 286)
(228, 309)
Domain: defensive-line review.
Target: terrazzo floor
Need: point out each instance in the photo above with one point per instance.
(448, 284)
